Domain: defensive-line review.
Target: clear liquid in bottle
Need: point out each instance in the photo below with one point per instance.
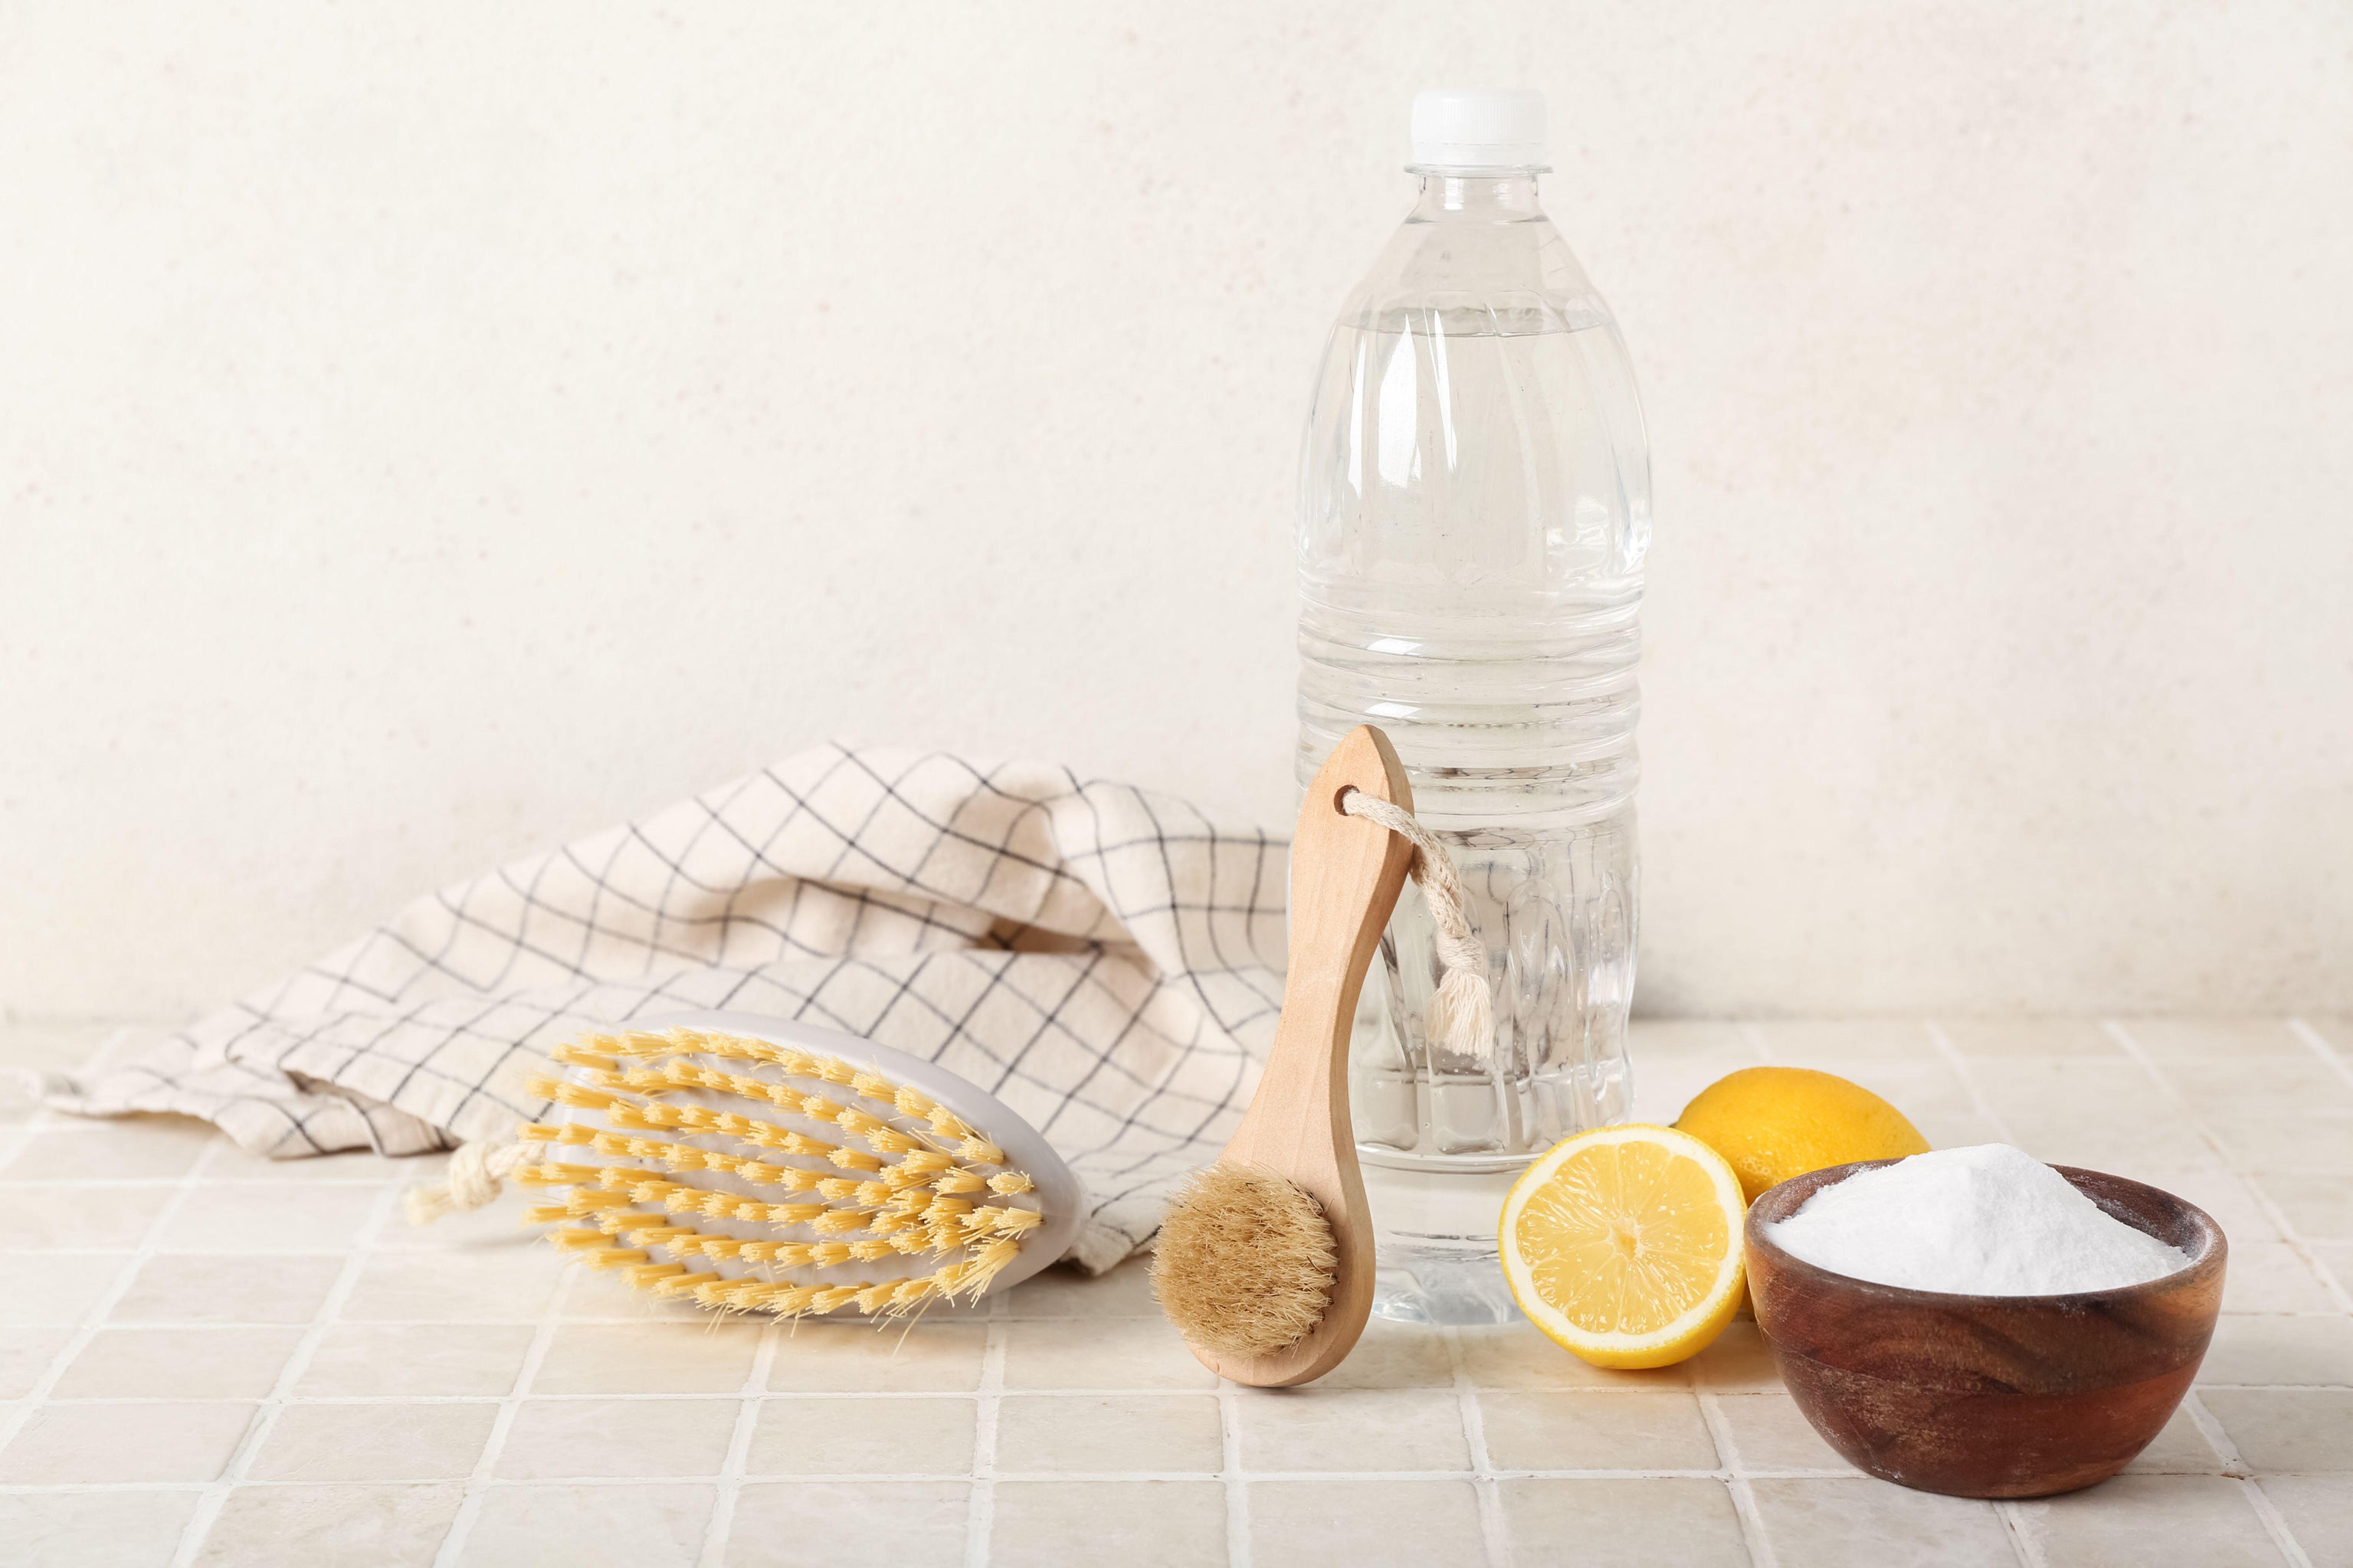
(1474, 511)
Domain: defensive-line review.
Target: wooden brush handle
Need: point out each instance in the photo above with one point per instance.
(1345, 875)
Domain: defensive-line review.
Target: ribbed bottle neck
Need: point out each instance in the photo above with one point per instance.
(1485, 195)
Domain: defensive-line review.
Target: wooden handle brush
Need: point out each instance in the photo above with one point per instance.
(1265, 1261)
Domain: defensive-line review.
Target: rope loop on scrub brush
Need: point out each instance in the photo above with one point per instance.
(1463, 1013)
(477, 1172)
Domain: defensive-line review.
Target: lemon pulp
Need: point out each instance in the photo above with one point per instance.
(1623, 1245)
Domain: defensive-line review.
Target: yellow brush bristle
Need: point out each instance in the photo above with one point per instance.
(616, 1256)
(646, 1276)
(897, 1178)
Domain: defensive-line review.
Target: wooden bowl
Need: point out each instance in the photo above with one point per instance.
(1989, 1396)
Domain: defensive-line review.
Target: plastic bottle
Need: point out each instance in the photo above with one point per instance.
(1475, 507)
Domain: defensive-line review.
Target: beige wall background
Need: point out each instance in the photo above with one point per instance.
(429, 431)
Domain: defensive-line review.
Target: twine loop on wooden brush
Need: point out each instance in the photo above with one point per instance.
(476, 1174)
(1462, 1015)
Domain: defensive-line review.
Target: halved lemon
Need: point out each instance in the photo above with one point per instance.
(1623, 1245)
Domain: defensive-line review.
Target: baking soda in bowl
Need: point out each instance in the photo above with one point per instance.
(1985, 1221)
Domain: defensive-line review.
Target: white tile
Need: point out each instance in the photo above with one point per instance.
(1134, 1524)
(1770, 1433)
(1365, 1524)
(647, 1358)
(563, 1439)
(138, 1148)
(332, 1526)
(2286, 1430)
(2275, 1085)
(59, 1289)
(93, 1529)
(178, 1363)
(2280, 1350)
(2005, 1037)
(1315, 1428)
(34, 1219)
(659, 1526)
(845, 1358)
(906, 1525)
(2318, 1512)
(1100, 1353)
(376, 1360)
(1135, 1432)
(75, 1443)
(291, 1216)
(2306, 1145)
(2179, 1449)
(374, 1443)
(26, 1354)
(1596, 1431)
(1065, 1291)
(863, 1436)
(1808, 1042)
(1864, 1523)
(2151, 1522)
(2317, 1207)
(1515, 1355)
(204, 1289)
(2269, 1277)
(1629, 1523)
(460, 1286)
(1395, 1356)
(2219, 1039)
(1739, 1362)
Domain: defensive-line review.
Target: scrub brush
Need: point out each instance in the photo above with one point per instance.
(757, 1164)
(1265, 1261)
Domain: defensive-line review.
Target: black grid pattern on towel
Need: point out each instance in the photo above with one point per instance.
(1106, 961)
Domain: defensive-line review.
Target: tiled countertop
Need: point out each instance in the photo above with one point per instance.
(208, 1358)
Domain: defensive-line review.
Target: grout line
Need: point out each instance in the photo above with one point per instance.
(2016, 1526)
(2271, 1211)
(2319, 1046)
(2216, 1437)
(274, 1404)
(2275, 1524)
(14, 1419)
(981, 1518)
(1736, 1479)
(1492, 1524)
(1229, 1440)
(1960, 1065)
(470, 1507)
(739, 1448)
(2235, 1467)
(813, 1396)
(830, 1477)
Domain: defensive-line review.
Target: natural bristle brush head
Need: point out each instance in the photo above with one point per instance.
(754, 1165)
(1265, 1264)
(1245, 1261)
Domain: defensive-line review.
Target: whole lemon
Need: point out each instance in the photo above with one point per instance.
(1773, 1123)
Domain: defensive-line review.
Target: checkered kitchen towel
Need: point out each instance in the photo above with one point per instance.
(1105, 960)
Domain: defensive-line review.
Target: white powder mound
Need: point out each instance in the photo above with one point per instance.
(1987, 1221)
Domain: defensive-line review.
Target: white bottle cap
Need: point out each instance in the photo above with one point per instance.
(1458, 128)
